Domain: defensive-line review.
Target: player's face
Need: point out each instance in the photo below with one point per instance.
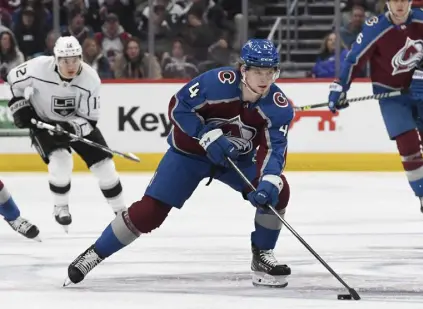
(260, 79)
(399, 9)
(69, 66)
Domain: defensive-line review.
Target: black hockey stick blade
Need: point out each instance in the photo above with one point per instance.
(357, 99)
(353, 293)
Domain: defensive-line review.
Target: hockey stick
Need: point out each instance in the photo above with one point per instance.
(352, 292)
(357, 99)
(43, 125)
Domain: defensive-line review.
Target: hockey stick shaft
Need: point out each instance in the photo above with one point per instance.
(378, 96)
(353, 293)
(43, 125)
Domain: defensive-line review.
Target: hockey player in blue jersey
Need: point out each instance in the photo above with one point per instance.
(10, 212)
(393, 45)
(222, 113)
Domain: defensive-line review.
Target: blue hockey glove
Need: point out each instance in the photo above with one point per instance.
(267, 192)
(336, 97)
(416, 86)
(218, 147)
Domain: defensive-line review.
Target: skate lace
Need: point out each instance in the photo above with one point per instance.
(268, 257)
(20, 225)
(87, 262)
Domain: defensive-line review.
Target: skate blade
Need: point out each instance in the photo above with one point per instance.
(66, 228)
(37, 239)
(268, 281)
(67, 282)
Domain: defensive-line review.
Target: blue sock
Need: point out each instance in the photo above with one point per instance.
(108, 243)
(264, 238)
(116, 236)
(8, 208)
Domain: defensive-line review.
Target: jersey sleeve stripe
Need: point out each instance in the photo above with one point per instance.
(362, 53)
(268, 143)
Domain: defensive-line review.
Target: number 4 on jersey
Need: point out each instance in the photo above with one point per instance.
(284, 129)
(193, 90)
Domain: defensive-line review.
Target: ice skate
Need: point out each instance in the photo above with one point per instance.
(267, 271)
(82, 265)
(421, 204)
(62, 216)
(25, 228)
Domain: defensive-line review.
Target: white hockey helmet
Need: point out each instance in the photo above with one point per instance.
(67, 46)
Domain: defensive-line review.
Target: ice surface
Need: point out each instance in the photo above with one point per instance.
(367, 226)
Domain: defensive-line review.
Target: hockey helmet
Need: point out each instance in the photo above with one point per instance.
(260, 53)
(67, 46)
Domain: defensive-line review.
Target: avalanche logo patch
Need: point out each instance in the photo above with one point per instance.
(407, 57)
(238, 133)
(280, 99)
(227, 77)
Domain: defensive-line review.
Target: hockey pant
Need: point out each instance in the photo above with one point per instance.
(57, 155)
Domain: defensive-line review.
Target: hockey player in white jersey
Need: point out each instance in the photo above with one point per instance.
(64, 91)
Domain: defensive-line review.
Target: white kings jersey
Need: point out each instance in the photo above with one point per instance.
(53, 99)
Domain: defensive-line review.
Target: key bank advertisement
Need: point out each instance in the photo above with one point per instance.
(134, 118)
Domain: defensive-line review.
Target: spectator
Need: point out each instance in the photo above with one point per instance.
(10, 55)
(173, 10)
(198, 35)
(349, 33)
(92, 55)
(43, 18)
(164, 18)
(77, 27)
(134, 63)
(123, 9)
(30, 39)
(325, 64)
(5, 17)
(177, 64)
(112, 38)
(49, 44)
(347, 11)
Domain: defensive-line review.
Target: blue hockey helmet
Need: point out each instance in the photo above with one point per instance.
(260, 53)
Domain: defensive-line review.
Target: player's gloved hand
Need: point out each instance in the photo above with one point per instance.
(70, 127)
(416, 86)
(267, 192)
(218, 147)
(336, 97)
(22, 112)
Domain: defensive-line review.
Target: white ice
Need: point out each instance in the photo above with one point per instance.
(367, 226)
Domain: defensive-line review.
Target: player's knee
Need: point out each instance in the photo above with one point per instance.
(283, 195)
(60, 167)
(148, 214)
(408, 143)
(105, 172)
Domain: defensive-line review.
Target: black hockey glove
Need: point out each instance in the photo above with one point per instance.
(71, 127)
(22, 112)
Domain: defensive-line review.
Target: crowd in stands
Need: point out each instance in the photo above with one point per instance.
(190, 36)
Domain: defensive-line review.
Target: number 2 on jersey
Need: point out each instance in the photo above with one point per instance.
(21, 70)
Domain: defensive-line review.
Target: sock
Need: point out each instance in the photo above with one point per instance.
(8, 208)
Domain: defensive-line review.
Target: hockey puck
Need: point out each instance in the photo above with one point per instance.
(344, 296)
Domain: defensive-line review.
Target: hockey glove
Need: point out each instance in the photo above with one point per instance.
(416, 85)
(79, 127)
(218, 147)
(22, 112)
(267, 192)
(336, 97)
